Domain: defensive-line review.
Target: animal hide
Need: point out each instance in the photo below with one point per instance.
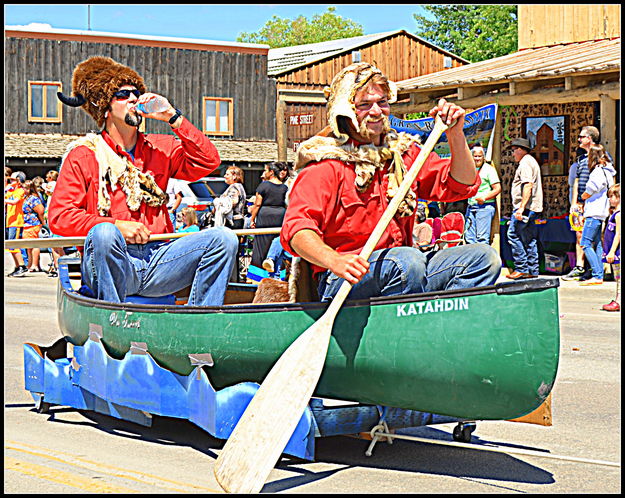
(366, 158)
(115, 170)
(271, 290)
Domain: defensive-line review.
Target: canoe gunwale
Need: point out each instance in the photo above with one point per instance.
(500, 288)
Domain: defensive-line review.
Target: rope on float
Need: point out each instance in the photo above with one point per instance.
(497, 449)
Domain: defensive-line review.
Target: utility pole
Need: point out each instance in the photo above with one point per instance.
(88, 17)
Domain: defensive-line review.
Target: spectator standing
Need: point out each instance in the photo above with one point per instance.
(527, 204)
(55, 252)
(33, 221)
(481, 208)
(230, 206)
(189, 220)
(14, 197)
(612, 244)
(174, 192)
(596, 210)
(268, 211)
(588, 136)
(51, 177)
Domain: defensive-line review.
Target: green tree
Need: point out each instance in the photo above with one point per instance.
(474, 32)
(279, 32)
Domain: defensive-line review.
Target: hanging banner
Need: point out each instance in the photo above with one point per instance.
(479, 127)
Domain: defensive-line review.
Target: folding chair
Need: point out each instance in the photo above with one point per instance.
(452, 230)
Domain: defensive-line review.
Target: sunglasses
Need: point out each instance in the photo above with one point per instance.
(124, 94)
(583, 136)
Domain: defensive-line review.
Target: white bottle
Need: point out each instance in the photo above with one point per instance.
(154, 104)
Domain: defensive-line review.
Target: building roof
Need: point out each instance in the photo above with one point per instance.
(36, 30)
(285, 59)
(53, 145)
(530, 64)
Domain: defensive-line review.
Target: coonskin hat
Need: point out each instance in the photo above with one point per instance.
(93, 83)
(342, 91)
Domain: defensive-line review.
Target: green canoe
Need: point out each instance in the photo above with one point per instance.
(478, 354)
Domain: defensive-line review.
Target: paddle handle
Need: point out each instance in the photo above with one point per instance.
(439, 128)
(79, 241)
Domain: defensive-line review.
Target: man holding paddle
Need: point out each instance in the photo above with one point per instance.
(111, 189)
(348, 180)
(351, 214)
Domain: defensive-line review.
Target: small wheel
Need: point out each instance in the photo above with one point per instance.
(43, 407)
(462, 432)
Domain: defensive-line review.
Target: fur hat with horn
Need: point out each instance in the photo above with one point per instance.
(341, 94)
(93, 83)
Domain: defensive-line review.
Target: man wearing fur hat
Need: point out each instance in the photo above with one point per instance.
(111, 189)
(346, 180)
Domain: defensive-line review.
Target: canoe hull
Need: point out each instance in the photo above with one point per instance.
(488, 353)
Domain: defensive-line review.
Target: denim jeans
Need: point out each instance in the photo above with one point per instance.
(523, 239)
(407, 270)
(478, 222)
(278, 254)
(592, 246)
(113, 269)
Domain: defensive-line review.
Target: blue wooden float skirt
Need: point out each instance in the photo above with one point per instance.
(136, 387)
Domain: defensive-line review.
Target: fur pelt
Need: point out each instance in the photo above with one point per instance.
(113, 169)
(342, 91)
(271, 290)
(366, 158)
(97, 78)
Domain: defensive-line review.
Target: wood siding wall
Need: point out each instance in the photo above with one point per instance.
(399, 57)
(542, 25)
(183, 76)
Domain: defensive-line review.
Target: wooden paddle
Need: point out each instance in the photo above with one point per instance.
(79, 241)
(267, 424)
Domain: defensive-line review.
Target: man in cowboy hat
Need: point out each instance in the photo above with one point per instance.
(111, 189)
(527, 204)
(344, 185)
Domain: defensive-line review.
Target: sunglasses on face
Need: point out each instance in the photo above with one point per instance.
(583, 136)
(124, 94)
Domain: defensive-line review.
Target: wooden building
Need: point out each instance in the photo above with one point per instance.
(303, 71)
(565, 67)
(221, 87)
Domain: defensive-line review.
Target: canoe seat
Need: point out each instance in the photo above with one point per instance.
(169, 299)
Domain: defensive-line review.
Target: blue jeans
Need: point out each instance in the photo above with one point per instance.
(12, 233)
(113, 269)
(592, 246)
(523, 239)
(407, 270)
(478, 222)
(278, 254)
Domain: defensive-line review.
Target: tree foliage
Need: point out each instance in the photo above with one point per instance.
(279, 32)
(473, 32)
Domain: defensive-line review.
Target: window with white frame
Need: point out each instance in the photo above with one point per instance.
(43, 104)
(218, 116)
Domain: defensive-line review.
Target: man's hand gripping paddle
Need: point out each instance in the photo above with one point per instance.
(267, 424)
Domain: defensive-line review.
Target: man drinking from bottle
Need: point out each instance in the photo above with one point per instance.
(111, 189)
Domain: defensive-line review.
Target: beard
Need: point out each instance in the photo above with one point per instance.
(364, 132)
(133, 119)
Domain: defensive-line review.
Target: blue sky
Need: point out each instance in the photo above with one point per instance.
(221, 22)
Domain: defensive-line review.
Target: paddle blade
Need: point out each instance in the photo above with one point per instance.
(267, 424)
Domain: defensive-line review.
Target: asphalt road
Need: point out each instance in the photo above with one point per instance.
(67, 451)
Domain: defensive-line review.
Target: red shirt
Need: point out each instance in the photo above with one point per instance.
(73, 209)
(324, 199)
